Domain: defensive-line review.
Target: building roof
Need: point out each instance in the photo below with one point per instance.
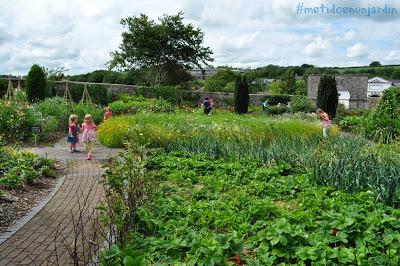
(378, 80)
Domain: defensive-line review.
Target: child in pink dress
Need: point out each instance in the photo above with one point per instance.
(88, 136)
(326, 122)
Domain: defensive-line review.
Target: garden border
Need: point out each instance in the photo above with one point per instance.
(32, 212)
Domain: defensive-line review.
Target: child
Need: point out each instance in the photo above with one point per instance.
(73, 129)
(326, 123)
(207, 106)
(107, 113)
(88, 137)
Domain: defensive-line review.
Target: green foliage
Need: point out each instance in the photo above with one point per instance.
(36, 83)
(396, 74)
(221, 81)
(160, 129)
(22, 167)
(300, 103)
(16, 120)
(3, 87)
(97, 76)
(216, 211)
(98, 93)
(383, 124)
(375, 64)
(275, 87)
(288, 82)
(148, 44)
(133, 105)
(242, 95)
(301, 88)
(327, 98)
(277, 99)
(128, 187)
(113, 77)
(277, 109)
(55, 112)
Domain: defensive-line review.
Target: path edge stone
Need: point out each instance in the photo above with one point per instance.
(32, 212)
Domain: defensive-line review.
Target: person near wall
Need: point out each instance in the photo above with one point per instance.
(265, 106)
(326, 122)
(207, 106)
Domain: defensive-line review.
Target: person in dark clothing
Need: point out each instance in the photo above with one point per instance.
(207, 106)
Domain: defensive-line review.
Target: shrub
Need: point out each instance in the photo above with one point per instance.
(352, 123)
(55, 113)
(327, 98)
(20, 167)
(36, 84)
(219, 81)
(301, 104)
(133, 105)
(277, 99)
(16, 120)
(241, 95)
(383, 124)
(277, 109)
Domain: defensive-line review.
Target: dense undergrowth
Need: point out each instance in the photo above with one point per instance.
(220, 211)
(158, 130)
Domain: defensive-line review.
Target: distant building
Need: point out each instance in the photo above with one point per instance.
(352, 89)
(205, 73)
(396, 83)
(377, 85)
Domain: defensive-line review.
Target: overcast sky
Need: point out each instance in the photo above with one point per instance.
(79, 34)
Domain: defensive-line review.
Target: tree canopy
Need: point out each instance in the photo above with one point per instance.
(148, 44)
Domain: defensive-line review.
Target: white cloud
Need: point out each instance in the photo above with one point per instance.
(348, 36)
(317, 47)
(357, 51)
(80, 34)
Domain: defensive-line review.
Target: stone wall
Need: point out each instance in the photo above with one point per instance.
(220, 99)
(356, 84)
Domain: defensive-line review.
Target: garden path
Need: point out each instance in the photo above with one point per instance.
(42, 236)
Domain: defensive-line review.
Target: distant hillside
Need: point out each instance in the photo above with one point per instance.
(386, 71)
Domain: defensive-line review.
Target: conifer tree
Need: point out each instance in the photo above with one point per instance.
(328, 97)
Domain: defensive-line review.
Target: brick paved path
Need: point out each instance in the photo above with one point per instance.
(41, 241)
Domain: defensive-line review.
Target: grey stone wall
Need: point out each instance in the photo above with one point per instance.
(220, 99)
(356, 84)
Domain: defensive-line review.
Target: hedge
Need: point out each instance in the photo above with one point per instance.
(276, 99)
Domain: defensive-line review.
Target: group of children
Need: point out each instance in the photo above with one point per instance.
(87, 129)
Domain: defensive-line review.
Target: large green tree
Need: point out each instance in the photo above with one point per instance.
(242, 95)
(157, 45)
(36, 83)
(328, 97)
(375, 64)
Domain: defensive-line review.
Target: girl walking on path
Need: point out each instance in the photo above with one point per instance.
(326, 122)
(73, 130)
(88, 136)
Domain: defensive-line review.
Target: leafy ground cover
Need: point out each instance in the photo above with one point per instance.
(132, 105)
(220, 211)
(25, 178)
(18, 168)
(158, 129)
